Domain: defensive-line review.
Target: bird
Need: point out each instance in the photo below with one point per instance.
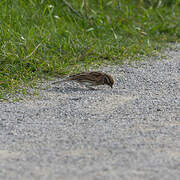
(89, 79)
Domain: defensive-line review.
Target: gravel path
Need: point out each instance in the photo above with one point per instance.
(131, 132)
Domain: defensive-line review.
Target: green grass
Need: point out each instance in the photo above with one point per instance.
(41, 38)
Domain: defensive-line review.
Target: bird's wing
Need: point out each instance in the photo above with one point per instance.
(91, 76)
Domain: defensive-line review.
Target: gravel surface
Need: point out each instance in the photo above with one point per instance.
(130, 132)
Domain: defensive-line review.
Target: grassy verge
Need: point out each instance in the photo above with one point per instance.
(48, 38)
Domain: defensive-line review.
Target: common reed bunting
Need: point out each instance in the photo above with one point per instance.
(89, 79)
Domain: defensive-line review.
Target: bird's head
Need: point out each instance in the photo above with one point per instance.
(108, 80)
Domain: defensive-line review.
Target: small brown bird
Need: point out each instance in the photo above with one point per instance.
(89, 79)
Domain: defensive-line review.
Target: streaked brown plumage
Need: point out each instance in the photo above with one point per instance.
(93, 78)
